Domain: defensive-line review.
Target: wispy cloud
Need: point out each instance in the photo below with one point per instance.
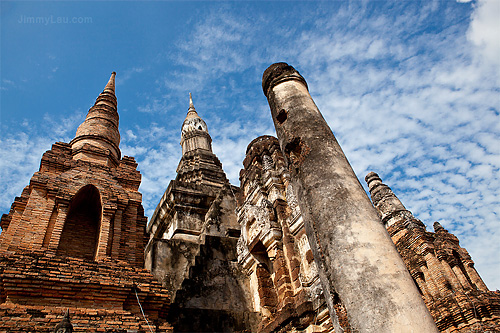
(21, 152)
(7, 84)
(125, 75)
(157, 151)
(154, 106)
(411, 91)
(405, 95)
(484, 32)
(427, 118)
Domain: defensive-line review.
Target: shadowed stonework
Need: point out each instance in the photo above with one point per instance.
(298, 247)
(273, 247)
(192, 245)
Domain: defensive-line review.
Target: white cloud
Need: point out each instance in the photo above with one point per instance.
(157, 152)
(21, 152)
(156, 106)
(408, 91)
(7, 84)
(426, 120)
(484, 31)
(425, 112)
(125, 75)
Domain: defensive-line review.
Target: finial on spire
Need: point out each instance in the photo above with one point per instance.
(110, 86)
(191, 111)
(372, 179)
(191, 105)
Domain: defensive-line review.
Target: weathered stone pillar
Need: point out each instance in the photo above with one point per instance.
(436, 272)
(476, 279)
(431, 284)
(117, 229)
(104, 230)
(450, 275)
(422, 285)
(354, 252)
(44, 222)
(461, 277)
(62, 212)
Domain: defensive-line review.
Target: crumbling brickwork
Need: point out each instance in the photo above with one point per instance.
(274, 250)
(37, 287)
(75, 238)
(82, 206)
(226, 258)
(444, 272)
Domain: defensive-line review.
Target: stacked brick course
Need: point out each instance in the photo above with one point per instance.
(444, 272)
(76, 235)
(36, 288)
(76, 180)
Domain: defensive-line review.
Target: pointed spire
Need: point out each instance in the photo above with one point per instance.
(191, 111)
(191, 105)
(110, 86)
(100, 128)
(194, 132)
(391, 210)
(198, 163)
(382, 196)
(108, 94)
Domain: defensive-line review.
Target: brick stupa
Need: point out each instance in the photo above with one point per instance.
(443, 271)
(75, 238)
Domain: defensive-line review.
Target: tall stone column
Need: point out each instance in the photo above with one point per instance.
(355, 255)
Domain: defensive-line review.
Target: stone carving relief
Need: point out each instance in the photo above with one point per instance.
(308, 269)
(241, 248)
(292, 199)
(267, 163)
(193, 124)
(256, 225)
(275, 193)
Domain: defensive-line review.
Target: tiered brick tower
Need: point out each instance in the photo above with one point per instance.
(444, 272)
(274, 248)
(192, 246)
(75, 238)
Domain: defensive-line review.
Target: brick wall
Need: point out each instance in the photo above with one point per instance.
(51, 215)
(36, 288)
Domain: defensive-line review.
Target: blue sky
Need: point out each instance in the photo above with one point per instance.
(410, 89)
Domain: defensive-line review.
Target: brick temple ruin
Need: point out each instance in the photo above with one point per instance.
(75, 238)
(297, 247)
